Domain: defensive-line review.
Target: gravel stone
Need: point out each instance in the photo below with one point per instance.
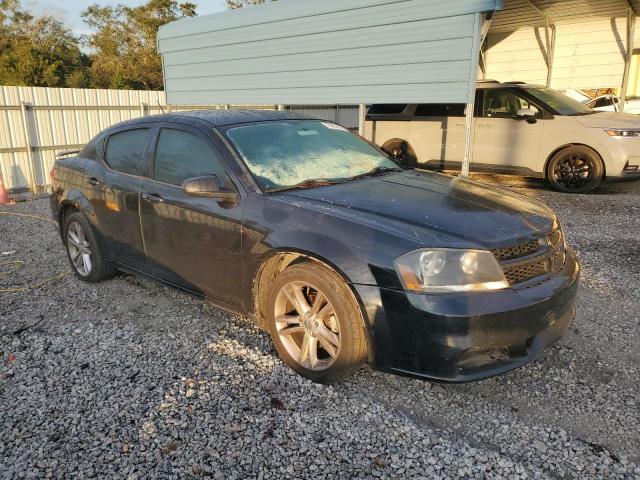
(133, 379)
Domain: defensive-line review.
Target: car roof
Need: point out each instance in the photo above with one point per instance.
(217, 118)
(485, 84)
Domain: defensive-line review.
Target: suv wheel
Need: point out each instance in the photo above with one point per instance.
(82, 249)
(401, 152)
(575, 169)
(316, 324)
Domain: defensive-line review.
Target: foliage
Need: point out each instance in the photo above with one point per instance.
(37, 51)
(123, 42)
(121, 50)
(244, 3)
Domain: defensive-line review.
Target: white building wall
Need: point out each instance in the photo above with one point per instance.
(587, 55)
(590, 55)
(516, 56)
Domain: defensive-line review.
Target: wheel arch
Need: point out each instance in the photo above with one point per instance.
(280, 259)
(545, 171)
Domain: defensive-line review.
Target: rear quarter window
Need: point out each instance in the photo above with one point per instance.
(126, 150)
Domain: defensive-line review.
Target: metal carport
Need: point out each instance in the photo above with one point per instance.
(563, 43)
(329, 52)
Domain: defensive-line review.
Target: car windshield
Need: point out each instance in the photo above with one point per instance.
(305, 153)
(560, 102)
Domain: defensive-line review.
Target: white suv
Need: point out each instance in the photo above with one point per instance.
(518, 129)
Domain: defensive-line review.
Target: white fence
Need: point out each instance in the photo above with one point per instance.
(37, 123)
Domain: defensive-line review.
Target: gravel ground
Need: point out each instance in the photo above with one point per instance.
(132, 379)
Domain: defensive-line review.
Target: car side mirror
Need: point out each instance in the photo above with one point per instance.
(527, 114)
(209, 187)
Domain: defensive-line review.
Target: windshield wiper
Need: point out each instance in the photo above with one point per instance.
(311, 183)
(377, 171)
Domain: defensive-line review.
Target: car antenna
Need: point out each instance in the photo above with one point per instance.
(161, 109)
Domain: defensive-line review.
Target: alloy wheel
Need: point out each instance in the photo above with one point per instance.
(574, 171)
(307, 326)
(79, 249)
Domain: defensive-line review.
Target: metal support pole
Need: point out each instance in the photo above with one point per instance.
(362, 119)
(144, 109)
(25, 107)
(480, 30)
(281, 108)
(631, 32)
(550, 37)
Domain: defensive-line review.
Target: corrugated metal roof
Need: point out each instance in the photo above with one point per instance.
(325, 51)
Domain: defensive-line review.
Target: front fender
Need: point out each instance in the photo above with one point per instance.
(338, 255)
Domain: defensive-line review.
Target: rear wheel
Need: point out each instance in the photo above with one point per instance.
(401, 152)
(576, 169)
(83, 252)
(316, 324)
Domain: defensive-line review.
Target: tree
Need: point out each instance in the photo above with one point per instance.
(124, 42)
(36, 51)
(244, 3)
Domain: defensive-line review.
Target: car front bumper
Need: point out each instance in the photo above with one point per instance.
(466, 337)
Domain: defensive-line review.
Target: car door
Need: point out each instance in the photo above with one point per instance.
(112, 187)
(192, 242)
(502, 141)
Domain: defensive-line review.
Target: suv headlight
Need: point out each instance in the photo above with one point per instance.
(441, 270)
(623, 133)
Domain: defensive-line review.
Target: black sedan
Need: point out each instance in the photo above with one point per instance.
(321, 239)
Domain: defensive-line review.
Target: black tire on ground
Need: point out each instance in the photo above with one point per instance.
(100, 268)
(401, 152)
(346, 320)
(575, 169)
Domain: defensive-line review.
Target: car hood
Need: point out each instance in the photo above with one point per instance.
(418, 204)
(609, 120)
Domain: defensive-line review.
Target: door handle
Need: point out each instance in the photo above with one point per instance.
(93, 181)
(153, 197)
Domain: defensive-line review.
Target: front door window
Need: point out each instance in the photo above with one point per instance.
(503, 103)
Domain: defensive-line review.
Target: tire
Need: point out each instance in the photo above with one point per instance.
(338, 353)
(80, 242)
(575, 169)
(401, 152)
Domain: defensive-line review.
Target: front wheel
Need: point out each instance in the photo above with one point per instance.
(575, 169)
(315, 323)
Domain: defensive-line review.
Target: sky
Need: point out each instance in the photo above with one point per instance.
(69, 10)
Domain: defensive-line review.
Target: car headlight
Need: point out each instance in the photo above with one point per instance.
(441, 270)
(623, 133)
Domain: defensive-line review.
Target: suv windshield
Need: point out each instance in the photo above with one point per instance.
(558, 101)
(305, 153)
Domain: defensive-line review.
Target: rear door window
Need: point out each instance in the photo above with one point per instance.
(181, 155)
(126, 150)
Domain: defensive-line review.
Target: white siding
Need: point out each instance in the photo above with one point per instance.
(590, 55)
(587, 55)
(325, 51)
(517, 56)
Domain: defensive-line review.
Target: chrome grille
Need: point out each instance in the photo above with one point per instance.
(540, 258)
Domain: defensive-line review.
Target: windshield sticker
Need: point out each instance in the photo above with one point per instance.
(333, 126)
(305, 132)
